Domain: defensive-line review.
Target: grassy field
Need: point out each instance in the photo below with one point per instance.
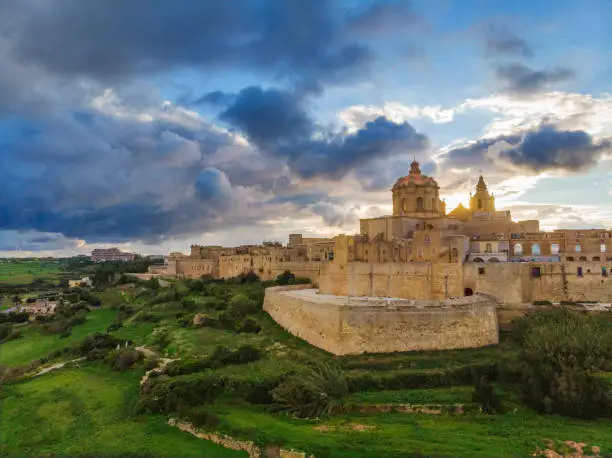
(35, 345)
(86, 411)
(25, 271)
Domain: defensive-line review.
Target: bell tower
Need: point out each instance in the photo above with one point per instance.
(482, 200)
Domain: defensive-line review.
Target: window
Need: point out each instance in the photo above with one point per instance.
(578, 248)
(535, 272)
(420, 252)
(420, 204)
(596, 258)
(455, 253)
(518, 249)
(535, 249)
(427, 239)
(554, 248)
(404, 205)
(604, 272)
(479, 204)
(570, 258)
(488, 248)
(579, 271)
(481, 271)
(602, 247)
(583, 258)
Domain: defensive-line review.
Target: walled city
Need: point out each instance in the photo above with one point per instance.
(422, 253)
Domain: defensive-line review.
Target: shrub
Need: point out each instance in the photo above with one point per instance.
(302, 280)
(124, 359)
(202, 418)
(188, 304)
(249, 325)
(97, 341)
(542, 303)
(151, 363)
(180, 393)
(241, 305)
(114, 326)
(5, 330)
(244, 354)
(285, 278)
(217, 304)
(65, 333)
(313, 393)
(561, 353)
(484, 394)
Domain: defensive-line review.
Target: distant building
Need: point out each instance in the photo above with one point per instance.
(111, 254)
(42, 307)
(85, 281)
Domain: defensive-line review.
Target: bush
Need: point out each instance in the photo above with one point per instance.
(484, 395)
(202, 418)
(151, 363)
(180, 393)
(244, 354)
(249, 325)
(285, 278)
(5, 330)
(188, 304)
(314, 393)
(542, 303)
(561, 353)
(241, 305)
(114, 326)
(97, 341)
(124, 359)
(65, 333)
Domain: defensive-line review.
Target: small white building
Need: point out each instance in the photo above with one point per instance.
(85, 281)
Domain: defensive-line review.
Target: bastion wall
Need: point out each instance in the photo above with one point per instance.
(342, 325)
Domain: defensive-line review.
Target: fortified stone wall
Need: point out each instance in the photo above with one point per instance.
(406, 280)
(352, 326)
(515, 283)
(266, 267)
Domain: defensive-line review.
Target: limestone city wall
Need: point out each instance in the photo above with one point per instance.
(514, 282)
(424, 280)
(341, 326)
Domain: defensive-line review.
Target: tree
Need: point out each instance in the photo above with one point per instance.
(16, 300)
(285, 278)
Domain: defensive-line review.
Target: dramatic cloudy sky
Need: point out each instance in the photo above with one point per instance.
(154, 124)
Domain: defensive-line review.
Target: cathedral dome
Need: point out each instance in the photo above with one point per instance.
(414, 178)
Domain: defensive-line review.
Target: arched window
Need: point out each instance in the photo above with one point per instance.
(602, 247)
(433, 204)
(404, 205)
(554, 248)
(488, 248)
(518, 249)
(479, 204)
(420, 204)
(535, 249)
(578, 248)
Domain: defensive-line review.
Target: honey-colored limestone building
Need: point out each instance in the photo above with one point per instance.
(418, 279)
(422, 252)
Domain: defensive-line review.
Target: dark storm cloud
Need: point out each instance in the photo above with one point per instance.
(520, 79)
(277, 122)
(500, 41)
(269, 117)
(543, 148)
(547, 148)
(476, 153)
(302, 39)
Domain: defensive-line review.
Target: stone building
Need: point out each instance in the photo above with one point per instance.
(422, 252)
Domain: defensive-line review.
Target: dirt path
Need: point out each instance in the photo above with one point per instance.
(163, 362)
(46, 370)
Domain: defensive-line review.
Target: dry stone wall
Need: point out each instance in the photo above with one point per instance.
(342, 326)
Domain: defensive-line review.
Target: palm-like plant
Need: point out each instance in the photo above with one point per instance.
(315, 392)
